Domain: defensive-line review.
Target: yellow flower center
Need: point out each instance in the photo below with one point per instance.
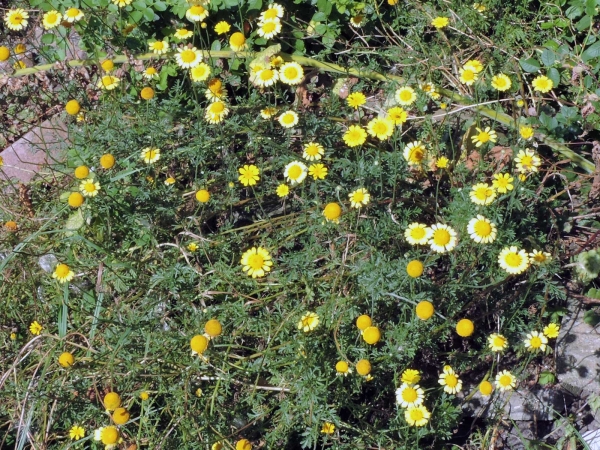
(288, 119)
(150, 154)
(358, 197)
(188, 56)
(484, 192)
(539, 257)
(483, 228)
(269, 27)
(536, 342)
(217, 108)
(499, 341)
(312, 150)
(270, 13)
(505, 380)
(52, 17)
(380, 128)
(417, 233)
(416, 414)
(256, 261)
(290, 72)
(295, 172)
(451, 380)
(405, 96)
(441, 237)
(266, 74)
(90, 187)
(409, 395)
(483, 137)
(62, 270)
(416, 154)
(197, 10)
(237, 39)
(513, 260)
(72, 12)
(150, 71)
(501, 82)
(527, 161)
(469, 75)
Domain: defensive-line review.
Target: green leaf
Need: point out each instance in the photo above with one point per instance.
(590, 8)
(325, 6)
(549, 122)
(593, 51)
(75, 221)
(215, 46)
(139, 5)
(319, 17)
(554, 75)
(548, 57)
(529, 65)
(561, 23)
(160, 6)
(48, 38)
(584, 23)
(573, 12)
(254, 4)
(149, 14)
(136, 16)
(547, 378)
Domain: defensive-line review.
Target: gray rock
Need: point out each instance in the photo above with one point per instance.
(48, 262)
(592, 439)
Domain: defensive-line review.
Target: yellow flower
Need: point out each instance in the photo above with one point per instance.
(363, 367)
(474, 64)
(66, 359)
(237, 42)
(283, 190)
(51, 19)
(497, 342)
(448, 378)
(196, 13)
(75, 200)
(308, 322)
(107, 65)
(424, 310)
(295, 172)
(269, 28)
(357, 21)
(317, 171)
(265, 77)
(465, 328)
(527, 161)
(406, 96)
(505, 381)
(513, 260)
(203, 196)
(539, 257)
(291, 73)
(198, 344)
(122, 3)
(501, 82)
(222, 27)
(443, 238)
(328, 428)
(111, 401)
(480, 8)
(408, 395)
(288, 119)
(526, 132)
(216, 112)
(63, 273)
(442, 162)
(397, 115)
(536, 341)
(150, 73)
(440, 22)
(249, 175)
(467, 76)
(147, 93)
(109, 436)
(414, 153)
(482, 194)
(16, 19)
(414, 268)
(183, 33)
(356, 99)
(418, 234)
(4, 53)
(542, 84)
(192, 247)
(410, 376)
(76, 432)
(144, 396)
(159, 47)
(342, 368)
(256, 262)
(551, 331)
(430, 90)
(417, 416)
(108, 82)
(73, 15)
(482, 230)
(502, 182)
(188, 57)
(268, 112)
(213, 328)
(150, 155)
(19, 65)
(313, 151)
(381, 127)
(484, 136)
(359, 197)
(274, 11)
(486, 388)
(355, 136)
(82, 172)
(35, 328)
(371, 335)
(332, 212)
(121, 416)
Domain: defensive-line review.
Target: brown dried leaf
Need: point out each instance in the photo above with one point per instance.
(501, 155)
(472, 160)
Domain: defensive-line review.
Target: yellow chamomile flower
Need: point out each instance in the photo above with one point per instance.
(291, 73)
(283, 190)
(192, 247)
(535, 341)
(313, 151)
(107, 65)
(465, 328)
(274, 11)
(200, 73)
(417, 416)
(440, 22)
(197, 13)
(122, 3)
(237, 42)
(527, 161)
(188, 57)
(328, 428)
(82, 172)
(295, 172)
(551, 331)
(526, 132)
(356, 99)
(482, 194)
(480, 8)
(359, 197)
(363, 322)
(183, 33)
(317, 171)
(150, 73)
(497, 342)
(308, 322)
(443, 238)
(355, 136)
(213, 328)
(76, 432)
(414, 268)
(269, 28)
(467, 76)
(371, 335)
(418, 234)
(342, 368)
(414, 153)
(502, 182)
(35, 328)
(199, 344)
(73, 15)
(222, 27)
(276, 61)
(170, 181)
(357, 21)
(539, 257)
(397, 115)
(268, 112)
(482, 230)
(256, 262)
(159, 47)
(501, 82)
(265, 77)
(150, 155)
(424, 310)
(381, 128)
(408, 395)
(486, 388)
(249, 175)
(89, 187)
(505, 381)
(108, 82)
(483, 136)
(4, 54)
(63, 273)
(51, 19)
(288, 119)
(215, 90)
(410, 376)
(144, 395)
(448, 378)
(474, 65)
(332, 212)
(513, 260)
(216, 112)
(202, 195)
(16, 19)
(406, 96)
(442, 162)
(147, 93)
(430, 90)
(542, 84)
